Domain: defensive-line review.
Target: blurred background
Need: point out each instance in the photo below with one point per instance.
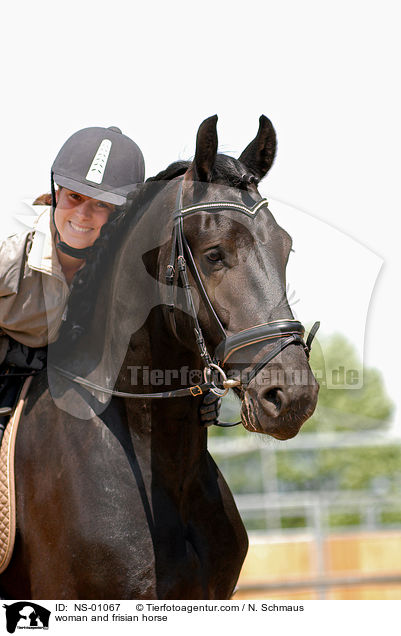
(322, 510)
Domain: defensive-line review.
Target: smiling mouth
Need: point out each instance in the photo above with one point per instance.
(80, 228)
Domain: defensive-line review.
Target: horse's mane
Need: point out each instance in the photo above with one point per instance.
(85, 284)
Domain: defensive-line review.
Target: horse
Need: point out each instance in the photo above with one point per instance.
(119, 498)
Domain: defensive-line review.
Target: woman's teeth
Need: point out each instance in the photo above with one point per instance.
(78, 228)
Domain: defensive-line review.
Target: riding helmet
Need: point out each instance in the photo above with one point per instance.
(100, 163)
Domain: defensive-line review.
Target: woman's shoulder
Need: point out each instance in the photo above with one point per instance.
(13, 254)
(16, 247)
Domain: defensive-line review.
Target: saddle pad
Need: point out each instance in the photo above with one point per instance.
(7, 482)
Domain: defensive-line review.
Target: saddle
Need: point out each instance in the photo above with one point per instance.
(7, 481)
(19, 364)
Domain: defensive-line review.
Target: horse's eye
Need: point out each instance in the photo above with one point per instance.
(215, 255)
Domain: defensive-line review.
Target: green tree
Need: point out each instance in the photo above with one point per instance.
(337, 406)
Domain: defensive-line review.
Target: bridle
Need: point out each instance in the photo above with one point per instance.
(286, 331)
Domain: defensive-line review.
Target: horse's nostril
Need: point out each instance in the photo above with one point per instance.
(273, 401)
(273, 396)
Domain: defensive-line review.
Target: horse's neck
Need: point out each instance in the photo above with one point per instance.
(168, 429)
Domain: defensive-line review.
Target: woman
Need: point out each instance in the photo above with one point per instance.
(95, 170)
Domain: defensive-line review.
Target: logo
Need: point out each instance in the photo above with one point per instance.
(98, 165)
(26, 615)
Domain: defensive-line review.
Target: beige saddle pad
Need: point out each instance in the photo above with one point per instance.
(7, 482)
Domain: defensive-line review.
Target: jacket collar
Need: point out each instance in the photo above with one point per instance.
(42, 256)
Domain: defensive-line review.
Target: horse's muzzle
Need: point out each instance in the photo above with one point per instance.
(280, 408)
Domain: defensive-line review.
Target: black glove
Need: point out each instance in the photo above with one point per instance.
(209, 409)
(24, 357)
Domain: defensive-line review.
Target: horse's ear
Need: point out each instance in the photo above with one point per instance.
(206, 149)
(259, 155)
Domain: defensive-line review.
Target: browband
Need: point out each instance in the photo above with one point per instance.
(220, 205)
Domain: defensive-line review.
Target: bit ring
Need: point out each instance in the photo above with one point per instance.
(208, 378)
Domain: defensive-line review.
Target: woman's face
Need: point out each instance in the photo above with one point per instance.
(79, 218)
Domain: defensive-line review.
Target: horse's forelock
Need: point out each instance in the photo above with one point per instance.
(231, 172)
(226, 170)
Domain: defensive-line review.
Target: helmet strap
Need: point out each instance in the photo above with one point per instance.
(61, 245)
(73, 251)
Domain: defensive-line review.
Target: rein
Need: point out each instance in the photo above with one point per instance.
(285, 331)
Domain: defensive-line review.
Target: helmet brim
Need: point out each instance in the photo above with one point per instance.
(95, 193)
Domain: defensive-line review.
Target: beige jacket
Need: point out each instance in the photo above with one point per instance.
(33, 289)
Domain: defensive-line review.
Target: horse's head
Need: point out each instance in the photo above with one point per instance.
(239, 258)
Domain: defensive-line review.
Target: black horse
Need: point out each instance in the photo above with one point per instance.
(128, 503)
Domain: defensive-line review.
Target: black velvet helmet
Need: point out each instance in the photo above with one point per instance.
(100, 163)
